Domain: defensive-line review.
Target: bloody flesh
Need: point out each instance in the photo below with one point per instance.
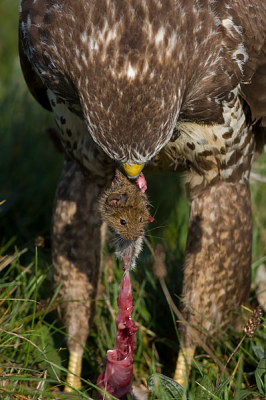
(117, 377)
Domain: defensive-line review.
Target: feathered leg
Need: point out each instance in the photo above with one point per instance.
(77, 235)
(217, 264)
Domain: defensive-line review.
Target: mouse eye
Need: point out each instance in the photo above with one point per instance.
(123, 221)
(140, 220)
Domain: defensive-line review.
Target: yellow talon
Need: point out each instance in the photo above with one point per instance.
(133, 170)
(183, 365)
(74, 367)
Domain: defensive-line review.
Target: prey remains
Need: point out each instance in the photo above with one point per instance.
(125, 209)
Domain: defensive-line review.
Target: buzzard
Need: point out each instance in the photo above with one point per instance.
(171, 84)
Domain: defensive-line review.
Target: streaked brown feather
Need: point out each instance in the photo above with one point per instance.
(35, 84)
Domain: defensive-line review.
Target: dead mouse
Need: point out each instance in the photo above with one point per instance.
(125, 209)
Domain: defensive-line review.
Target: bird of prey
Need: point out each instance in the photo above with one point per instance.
(171, 84)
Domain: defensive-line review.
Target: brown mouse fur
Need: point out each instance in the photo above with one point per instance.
(124, 208)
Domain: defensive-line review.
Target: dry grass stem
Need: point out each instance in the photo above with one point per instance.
(159, 255)
(248, 331)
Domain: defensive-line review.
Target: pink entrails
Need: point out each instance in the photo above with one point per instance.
(118, 374)
(142, 183)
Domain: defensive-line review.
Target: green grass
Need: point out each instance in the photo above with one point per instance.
(33, 354)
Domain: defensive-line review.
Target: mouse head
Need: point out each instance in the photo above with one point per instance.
(129, 221)
(124, 208)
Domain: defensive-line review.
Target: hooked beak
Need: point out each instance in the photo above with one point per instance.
(132, 170)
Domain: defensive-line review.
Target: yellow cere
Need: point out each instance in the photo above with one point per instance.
(133, 170)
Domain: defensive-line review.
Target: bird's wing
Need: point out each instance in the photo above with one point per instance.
(37, 21)
(252, 17)
(35, 84)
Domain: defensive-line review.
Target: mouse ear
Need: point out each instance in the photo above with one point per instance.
(117, 200)
(119, 177)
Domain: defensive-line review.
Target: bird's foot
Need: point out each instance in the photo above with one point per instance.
(74, 368)
(139, 393)
(183, 365)
(142, 183)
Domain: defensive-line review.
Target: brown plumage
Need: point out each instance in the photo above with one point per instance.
(178, 83)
